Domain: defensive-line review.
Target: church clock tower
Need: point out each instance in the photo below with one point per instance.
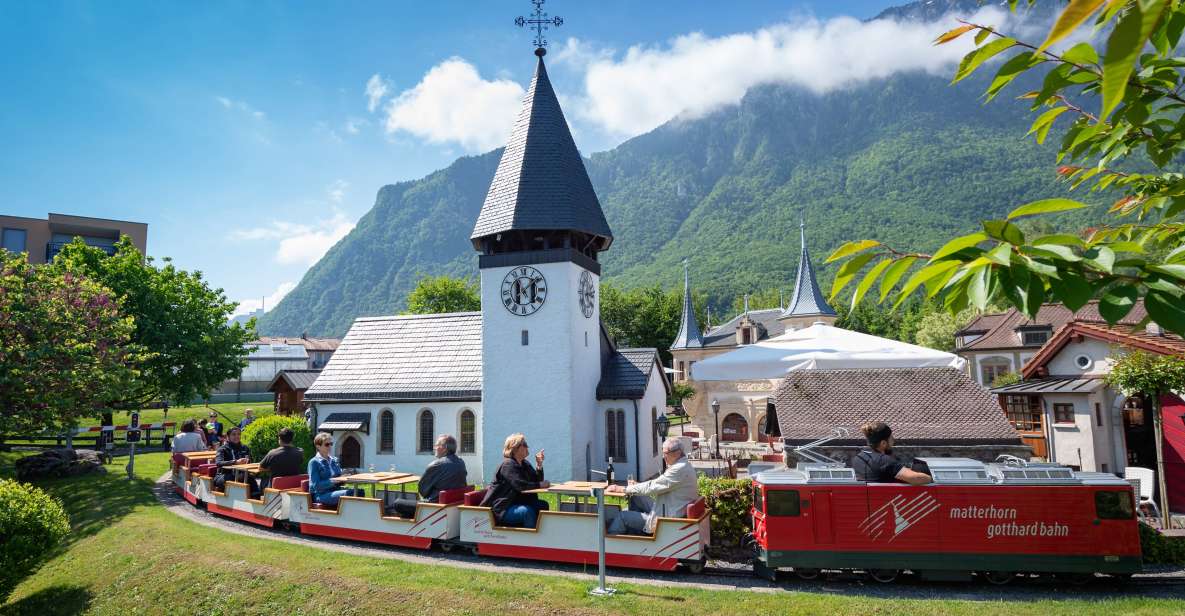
(539, 234)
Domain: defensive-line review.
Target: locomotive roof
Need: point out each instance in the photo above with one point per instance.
(947, 471)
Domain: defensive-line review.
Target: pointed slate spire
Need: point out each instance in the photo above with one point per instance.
(689, 335)
(807, 300)
(541, 183)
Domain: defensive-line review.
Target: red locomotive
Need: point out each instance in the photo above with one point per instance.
(994, 520)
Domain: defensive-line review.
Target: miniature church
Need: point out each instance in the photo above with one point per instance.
(536, 359)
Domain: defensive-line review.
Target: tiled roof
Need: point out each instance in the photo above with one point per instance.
(310, 344)
(541, 182)
(296, 379)
(725, 334)
(1001, 327)
(808, 299)
(414, 357)
(922, 405)
(1058, 385)
(1125, 335)
(689, 336)
(626, 374)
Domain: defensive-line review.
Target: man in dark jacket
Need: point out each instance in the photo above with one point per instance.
(446, 472)
(284, 460)
(505, 495)
(876, 463)
(232, 452)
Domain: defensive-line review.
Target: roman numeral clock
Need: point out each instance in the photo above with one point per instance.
(524, 290)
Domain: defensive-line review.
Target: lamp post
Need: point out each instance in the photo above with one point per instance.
(716, 414)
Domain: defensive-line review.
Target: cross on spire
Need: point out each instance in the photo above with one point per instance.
(540, 22)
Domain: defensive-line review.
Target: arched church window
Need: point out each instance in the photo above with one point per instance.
(468, 432)
(426, 428)
(615, 434)
(386, 431)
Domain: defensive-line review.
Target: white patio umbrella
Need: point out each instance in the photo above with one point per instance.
(819, 347)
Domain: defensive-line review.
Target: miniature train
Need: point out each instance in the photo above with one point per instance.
(992, 521)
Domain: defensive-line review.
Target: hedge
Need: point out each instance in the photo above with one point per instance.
(731, 502)
(1159, 549)
(261, 436)
(32, 524)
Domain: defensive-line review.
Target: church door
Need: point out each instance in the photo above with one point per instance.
(351, 453)
(734, 428)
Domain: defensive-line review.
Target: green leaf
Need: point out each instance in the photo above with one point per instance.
(848, 271)
(981, 36)
(1064, 239)
(1005, 231)
(1001, 254)
(978, 288)
(957, 244)
(1101, 258)
(974, 59)
(1123, 48)
(1044, 122)
(1082, 53)
(1162, 284)
(1046, 206)
(1009, 71)
(1126, 247)
(926, 273)
(1071, 17)
(1117, 301)
(1072, 290)
(1032, 296)
(1172, 269)
(1166, 310)
(868, 281)
(1177, 255)
(1054, 251)
(851, 248)
(899, 267)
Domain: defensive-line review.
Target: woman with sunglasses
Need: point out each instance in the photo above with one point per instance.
(505, 495)
(322, 469)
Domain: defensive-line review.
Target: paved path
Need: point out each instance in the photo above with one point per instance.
(1167, 583)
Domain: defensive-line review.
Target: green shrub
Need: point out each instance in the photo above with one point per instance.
(731, 502)
(32, 523)
(261, 436)
(1161, 550)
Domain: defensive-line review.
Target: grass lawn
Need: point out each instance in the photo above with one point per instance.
(127, 554)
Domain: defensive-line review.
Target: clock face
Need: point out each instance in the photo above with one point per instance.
(523, 291)
(588, 294)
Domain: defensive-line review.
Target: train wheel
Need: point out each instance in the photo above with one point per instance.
(884, 576)
(999, 578)
(695, 567)
(445, 547)
(1075, 579)
(473, 550)
(807, 574)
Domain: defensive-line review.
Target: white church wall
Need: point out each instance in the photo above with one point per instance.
(405, 455)
(655, 399)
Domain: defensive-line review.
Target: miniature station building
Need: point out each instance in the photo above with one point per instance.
(535, 360)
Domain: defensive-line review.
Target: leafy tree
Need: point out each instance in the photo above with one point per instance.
(440, 294)
(1124, 106)
(65, 347)
(679, 392)
(1007, 378)
(1151, 376)
(645, 317)
(937, 329)
(179, 320)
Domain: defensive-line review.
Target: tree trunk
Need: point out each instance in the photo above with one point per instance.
(1157, 433)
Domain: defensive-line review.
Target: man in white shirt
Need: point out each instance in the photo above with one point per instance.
(188, 439)
(665, 496)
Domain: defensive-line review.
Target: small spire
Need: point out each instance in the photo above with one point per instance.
(781, 304)
(746, 303)
(708, 326)
(807, 299)
(689, 334)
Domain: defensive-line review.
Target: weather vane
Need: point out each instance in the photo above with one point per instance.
(540, 22)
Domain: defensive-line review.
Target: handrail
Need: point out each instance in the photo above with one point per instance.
(805, 451)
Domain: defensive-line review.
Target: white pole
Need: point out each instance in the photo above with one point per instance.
(601, 590)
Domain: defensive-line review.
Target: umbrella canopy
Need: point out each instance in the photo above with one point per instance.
(819, 347)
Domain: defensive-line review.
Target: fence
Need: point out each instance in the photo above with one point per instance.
(96, 436)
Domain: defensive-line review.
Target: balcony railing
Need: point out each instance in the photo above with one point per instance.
(53, 248)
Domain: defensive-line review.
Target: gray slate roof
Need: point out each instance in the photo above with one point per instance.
(626, 374)
(296, 379)
(922, 405)
(413, 357)
(1055, 385)
(725, 334)
(346, 422)
(689, 336)
(541, 182)
(808, 299)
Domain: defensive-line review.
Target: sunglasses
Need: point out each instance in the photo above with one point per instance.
(327, 443)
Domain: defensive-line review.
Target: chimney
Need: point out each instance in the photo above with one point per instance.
(1154, 329)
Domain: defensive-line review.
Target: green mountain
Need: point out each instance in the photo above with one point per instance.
(909, 160)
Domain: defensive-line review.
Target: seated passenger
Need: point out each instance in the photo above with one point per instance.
(446, 472)
(284, 460)
(505, 494)
(665, 496)
(876, 463)
(229, 454)
(322, 469)
(188, 440)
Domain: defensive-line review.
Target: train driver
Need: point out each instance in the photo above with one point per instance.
(446, 472)
(876, 462)
(667, 495)
(505, 494)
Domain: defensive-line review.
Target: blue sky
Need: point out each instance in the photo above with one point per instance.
(251, 135)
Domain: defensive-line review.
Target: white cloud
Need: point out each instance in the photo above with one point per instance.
(354, 125)
(376, 89)
(249, 306)
(300, 244)
(337, 191)
(452, 103)
(694, 74)
(242, 106)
